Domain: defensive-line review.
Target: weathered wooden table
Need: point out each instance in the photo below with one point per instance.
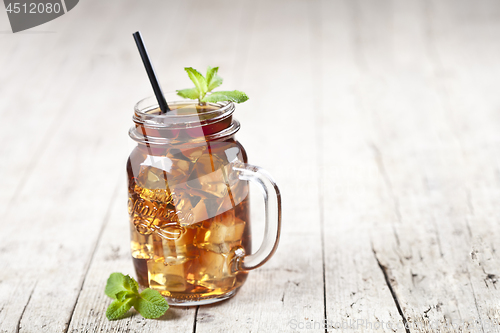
(380, 121)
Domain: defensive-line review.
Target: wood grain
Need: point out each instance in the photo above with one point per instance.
(289, 288)
(378, 119)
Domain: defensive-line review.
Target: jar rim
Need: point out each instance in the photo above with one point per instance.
(161, 129)
(145, 105)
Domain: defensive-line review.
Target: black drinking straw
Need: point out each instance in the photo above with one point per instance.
(151, 73)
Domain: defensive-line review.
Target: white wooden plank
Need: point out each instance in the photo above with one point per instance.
(113, 254)
(428, 260)
(462, 38)
(66, 197)
(354, 198)
(279, 135)
(421, 266)
(49, 77)
(182, 54)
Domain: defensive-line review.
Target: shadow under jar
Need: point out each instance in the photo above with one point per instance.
(188, 185)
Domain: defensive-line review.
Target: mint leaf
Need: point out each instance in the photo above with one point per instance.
(207, 84)
(191, 93)
(131, 284)
(119, 283)
(213, 80)
(151, 304)
(219, 96)
(118, 308)
(199, 81)
(125, 292)
(115, 284)
(123, 295)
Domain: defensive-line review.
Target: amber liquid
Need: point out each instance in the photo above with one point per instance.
(189, 223)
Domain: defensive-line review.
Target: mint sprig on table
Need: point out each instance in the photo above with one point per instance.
(125, 292)
(204, 86)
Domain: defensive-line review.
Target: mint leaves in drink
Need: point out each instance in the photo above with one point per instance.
(203, 86)
(124, 291)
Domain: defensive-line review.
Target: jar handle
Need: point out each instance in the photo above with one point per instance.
(272, 204)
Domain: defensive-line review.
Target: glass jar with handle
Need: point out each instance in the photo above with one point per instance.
(188, 185)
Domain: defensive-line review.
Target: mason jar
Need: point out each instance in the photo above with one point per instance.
(189, 205)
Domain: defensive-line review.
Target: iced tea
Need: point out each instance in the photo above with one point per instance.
(189, 218)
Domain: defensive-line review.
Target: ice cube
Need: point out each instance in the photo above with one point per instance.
(151, 178)
(166, 277)
(221, 233)
(179, 172)
(157, 246)
(208, 175)
(182, 205)
(141, 245)
(225, 203)
(199, 212)
(162, 172)
(239, 191)
(182, 249)
(212, 270)
(193, 154)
